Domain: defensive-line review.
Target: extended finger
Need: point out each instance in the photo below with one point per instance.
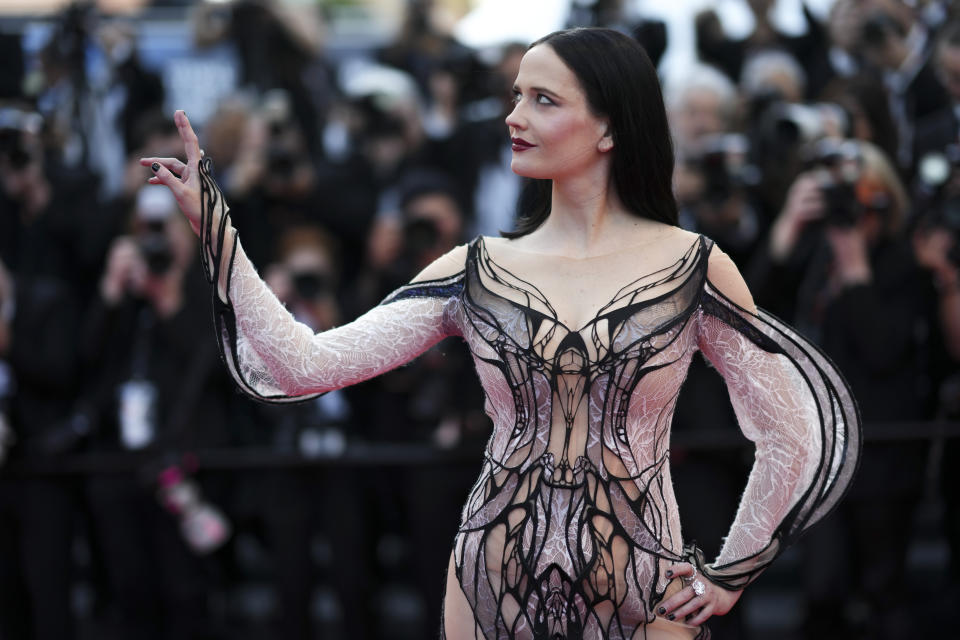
(191, 145)
(163, 176)
(174, 165)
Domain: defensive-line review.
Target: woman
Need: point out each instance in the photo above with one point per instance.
(572, 529)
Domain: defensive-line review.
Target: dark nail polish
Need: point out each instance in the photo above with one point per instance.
(662, 610)
(669, 572)
(155, 166)
(671, 617)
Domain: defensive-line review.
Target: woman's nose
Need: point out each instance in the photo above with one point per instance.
(514, 119)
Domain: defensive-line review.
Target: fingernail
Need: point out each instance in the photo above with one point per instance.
(155, 166)
(662, 610)
(669, 571)
(671, 617)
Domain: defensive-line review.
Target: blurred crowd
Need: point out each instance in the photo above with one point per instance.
(826, 164)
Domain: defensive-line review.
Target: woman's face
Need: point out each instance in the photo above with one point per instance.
(553, 130)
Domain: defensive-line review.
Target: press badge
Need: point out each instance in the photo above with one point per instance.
(137, 413)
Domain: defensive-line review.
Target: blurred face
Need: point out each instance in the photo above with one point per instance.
(20, 166)
(310, 261)
(948, 69)
(168, 245)
(307, 283)
(553, 131)
(700, 114)
(442, 213)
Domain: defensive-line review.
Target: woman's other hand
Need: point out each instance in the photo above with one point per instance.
(183, 180)
(688, 607)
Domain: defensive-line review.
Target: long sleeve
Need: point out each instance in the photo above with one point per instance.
(272, 357)
(794, 405)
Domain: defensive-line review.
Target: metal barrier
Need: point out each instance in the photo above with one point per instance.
(366, 454)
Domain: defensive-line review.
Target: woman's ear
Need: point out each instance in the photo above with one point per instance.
(606, 142)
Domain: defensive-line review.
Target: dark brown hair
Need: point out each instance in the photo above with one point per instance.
(620, 84)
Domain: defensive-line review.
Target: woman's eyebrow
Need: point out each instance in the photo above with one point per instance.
(538, 90)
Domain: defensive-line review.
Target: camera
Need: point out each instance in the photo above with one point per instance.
(283, 155)
(311, 285)
(154, 207)
(847, 196)
(420, 235)
(722, 162)
(155, 248)
(779, 124)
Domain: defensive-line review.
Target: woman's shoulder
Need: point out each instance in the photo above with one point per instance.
(448, 265)
(724, 276)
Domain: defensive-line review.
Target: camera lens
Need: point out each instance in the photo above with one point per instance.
(155, 249)
(420, 235)
(310, 285)
(842, 207)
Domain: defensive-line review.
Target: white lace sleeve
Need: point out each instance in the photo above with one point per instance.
(272, 357)
(794, 405)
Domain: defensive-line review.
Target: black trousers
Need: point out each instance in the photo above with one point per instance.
(36, 532)
(155, 587)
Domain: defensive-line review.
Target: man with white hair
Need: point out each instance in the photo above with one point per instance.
(700, 103)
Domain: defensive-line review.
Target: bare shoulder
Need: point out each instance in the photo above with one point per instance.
(725, 277)
(449, 264)
(677, 237)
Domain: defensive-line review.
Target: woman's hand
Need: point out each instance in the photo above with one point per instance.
(688, 607)
(183, 180)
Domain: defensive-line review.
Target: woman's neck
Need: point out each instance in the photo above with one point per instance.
(586, 217)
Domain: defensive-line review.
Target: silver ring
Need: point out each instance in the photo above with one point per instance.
(698, 587)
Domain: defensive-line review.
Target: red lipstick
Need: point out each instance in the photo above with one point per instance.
(519, 144)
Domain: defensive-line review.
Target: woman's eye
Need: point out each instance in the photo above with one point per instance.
(516, 96)
(542, 99)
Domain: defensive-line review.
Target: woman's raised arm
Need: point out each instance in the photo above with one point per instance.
(271, 356)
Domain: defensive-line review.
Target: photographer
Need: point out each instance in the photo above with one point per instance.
(779, 126)
(39, 310)
(718, 199)
(272, 180)
(937, 250)
(154, 389)
(914, 91)
(838, 263)
(943, 125)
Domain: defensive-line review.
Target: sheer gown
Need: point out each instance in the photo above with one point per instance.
(568, 530)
